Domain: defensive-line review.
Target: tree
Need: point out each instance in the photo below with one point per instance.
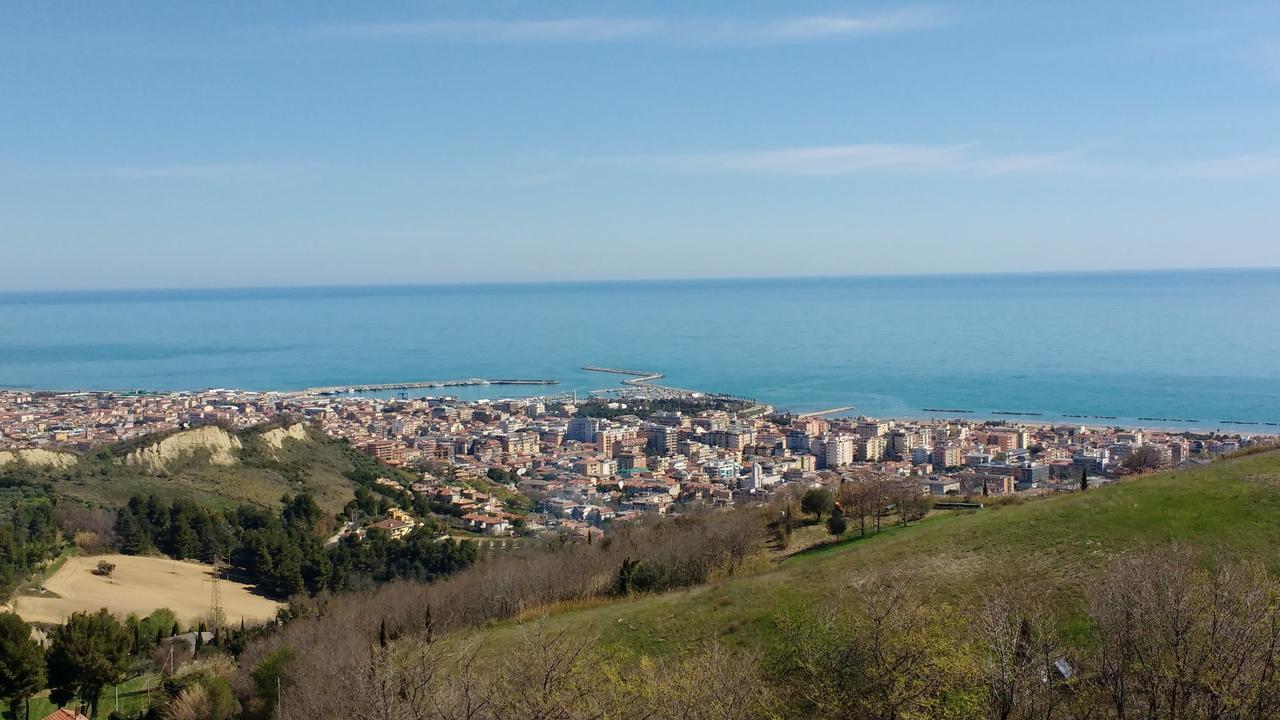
(132, 537)
(1147, 458)
(1084, 479)
(21, 665)
(1178, 640)
(88, 653)
(817, 501)
(880, 652)
(835, 523)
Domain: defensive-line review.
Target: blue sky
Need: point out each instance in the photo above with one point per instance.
(246, 144)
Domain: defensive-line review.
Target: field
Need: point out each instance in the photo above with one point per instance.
(140, 585)
(1057, 545)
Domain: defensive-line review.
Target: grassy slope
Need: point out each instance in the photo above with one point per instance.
(135, 697)
(259, 479)
(1058, 544)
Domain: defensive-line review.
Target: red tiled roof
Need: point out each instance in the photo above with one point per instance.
(65, 714)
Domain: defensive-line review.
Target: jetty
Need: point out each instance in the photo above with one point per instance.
(822, 413)
(381, 387)
(639, 376)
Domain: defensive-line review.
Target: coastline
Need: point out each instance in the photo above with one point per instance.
(1035, 419)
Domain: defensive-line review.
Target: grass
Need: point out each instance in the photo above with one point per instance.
(135, 697)
(1057, 545)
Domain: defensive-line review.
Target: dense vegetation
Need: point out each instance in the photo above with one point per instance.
(28, 538)
(283, 552)
(645, 408)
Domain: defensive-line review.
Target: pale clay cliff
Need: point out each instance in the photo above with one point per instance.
(220, 444)
(38, 457)
(275, 437)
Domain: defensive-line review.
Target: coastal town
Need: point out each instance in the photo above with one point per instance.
(573, 467)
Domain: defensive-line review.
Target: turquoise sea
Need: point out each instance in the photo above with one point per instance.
(1198, 348)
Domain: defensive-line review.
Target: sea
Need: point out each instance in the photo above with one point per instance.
(1193, 349)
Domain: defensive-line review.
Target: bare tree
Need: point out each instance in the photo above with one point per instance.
(1146, 458)
(1022, 656)
(882, 654)
(1180, 641)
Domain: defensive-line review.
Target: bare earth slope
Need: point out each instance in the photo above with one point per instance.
(140, 585)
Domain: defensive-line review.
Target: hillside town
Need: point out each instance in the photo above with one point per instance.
(581, 466)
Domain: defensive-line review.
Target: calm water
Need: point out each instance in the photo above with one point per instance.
(1190, 345)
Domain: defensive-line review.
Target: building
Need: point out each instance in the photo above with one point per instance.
(584, 429)
(661, 439)
(521, 443)
(838, 450)
(487, 524)
(606, 438)
(871, 449)
(396, 525)
(1007, 438)
(872, 428)
(389, 452)
(947, 456)
(730, 438)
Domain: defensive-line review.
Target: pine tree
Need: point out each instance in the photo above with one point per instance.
(21, 665)
(88, 653)
(836, 524)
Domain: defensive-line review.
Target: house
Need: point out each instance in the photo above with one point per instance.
(65, 714)
(396, 525)
(487, 524)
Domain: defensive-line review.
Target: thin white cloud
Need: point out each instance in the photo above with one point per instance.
(587, 30)
(196, 171)
(1250, 165)
(832, 160)
(584, 30)
(834, 26)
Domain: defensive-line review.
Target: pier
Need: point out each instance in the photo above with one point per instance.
(822, 413)
(641, 376)
(381, 387)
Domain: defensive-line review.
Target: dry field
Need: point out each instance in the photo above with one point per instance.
(140, 585)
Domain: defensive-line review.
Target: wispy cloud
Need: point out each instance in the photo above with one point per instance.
(1249, 165)
(587, 30)
(817, 27)
(830, 160)
(583, 30)
(190, 172)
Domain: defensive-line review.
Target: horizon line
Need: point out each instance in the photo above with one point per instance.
(631, 281)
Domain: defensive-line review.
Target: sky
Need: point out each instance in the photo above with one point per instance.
(185, 144)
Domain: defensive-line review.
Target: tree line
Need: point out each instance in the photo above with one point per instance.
(283, 551)
(28, 538)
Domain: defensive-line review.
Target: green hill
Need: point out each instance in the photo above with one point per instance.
(211, 466)
(1056, 544)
